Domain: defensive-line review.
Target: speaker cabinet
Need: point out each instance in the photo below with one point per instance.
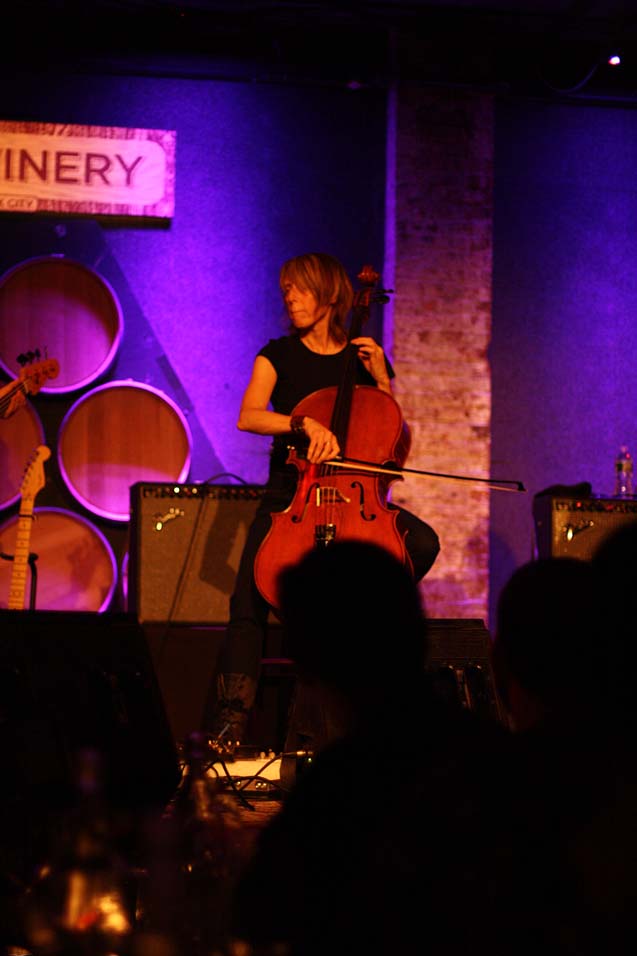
(185, 545)
(575, 527)
(459, 664)
(71, 681)
(85, 680)
(184, 658)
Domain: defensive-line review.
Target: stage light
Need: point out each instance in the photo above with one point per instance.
(614, 60)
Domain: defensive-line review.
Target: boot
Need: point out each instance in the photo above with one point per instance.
(235, 696)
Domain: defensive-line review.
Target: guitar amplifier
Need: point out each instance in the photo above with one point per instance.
(185, 545)
(575, 527)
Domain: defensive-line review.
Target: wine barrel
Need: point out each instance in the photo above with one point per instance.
(66, 311)
(19, 435)
(76, 569)
(116, 435)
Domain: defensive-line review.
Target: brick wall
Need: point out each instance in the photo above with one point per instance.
(440, 166)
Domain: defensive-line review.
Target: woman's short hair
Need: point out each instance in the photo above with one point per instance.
(325, 277)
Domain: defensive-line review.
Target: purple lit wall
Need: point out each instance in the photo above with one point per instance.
(268, 171)
(263, 172)
(565, 307)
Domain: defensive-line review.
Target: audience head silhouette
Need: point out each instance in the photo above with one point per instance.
(352, 614)
(547, 641)
(346, 863)
(614, 563)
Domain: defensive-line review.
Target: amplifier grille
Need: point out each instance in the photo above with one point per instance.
(185, 545)
(575, 527)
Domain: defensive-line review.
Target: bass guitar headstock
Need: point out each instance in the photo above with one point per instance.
(35, 372)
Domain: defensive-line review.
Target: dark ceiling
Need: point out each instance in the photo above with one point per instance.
(555, 48)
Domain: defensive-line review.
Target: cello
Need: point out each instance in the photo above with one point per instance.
(338, 502)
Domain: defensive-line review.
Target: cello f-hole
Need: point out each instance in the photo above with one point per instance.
(361, 499)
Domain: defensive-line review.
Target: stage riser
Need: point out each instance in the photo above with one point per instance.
(175, 665)
(185, 658)
(71, 682)
(76, 680)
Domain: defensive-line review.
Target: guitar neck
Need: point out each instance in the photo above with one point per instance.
(7, 394)
(17, 588)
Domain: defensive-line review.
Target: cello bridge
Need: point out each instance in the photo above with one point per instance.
(329, 495)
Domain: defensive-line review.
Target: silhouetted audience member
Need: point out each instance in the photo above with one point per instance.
(397, 836)
(546, 651)
(572, 776)
(615, 565)
(347, 639)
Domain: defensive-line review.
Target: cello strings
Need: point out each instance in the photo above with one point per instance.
(325, 497)
(332, 503)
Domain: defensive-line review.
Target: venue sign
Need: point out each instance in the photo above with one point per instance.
(86, 170)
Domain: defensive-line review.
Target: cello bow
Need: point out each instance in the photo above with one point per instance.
(495, 484)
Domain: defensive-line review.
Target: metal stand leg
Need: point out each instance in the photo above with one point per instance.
(34, 580)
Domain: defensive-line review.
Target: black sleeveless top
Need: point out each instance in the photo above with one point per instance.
(300, 371)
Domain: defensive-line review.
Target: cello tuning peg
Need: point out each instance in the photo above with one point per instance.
(22, 360)
(368, 275)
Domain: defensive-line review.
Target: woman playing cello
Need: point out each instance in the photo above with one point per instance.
(318, 296)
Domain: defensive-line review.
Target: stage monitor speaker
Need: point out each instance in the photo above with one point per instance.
(69, 682)
(567, 527)
(459, 664)
(185, 545)
(85, 680)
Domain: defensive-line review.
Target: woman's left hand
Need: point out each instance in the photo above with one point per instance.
(373, 358)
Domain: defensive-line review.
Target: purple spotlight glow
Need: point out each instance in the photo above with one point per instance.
(614, 60)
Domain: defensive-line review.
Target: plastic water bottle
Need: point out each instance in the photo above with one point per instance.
(623, 474)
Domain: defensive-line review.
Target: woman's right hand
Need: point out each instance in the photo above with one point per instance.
(323, 443)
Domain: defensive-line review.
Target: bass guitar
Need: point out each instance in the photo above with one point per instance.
(29, 382)
(32, 481)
